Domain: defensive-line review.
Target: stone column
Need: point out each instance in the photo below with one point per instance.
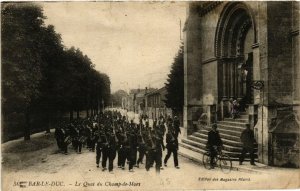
(208, 110)
(256, 71)
(224, 80)
(236, 79)
(227, 80)
(252, 112)
(192, 66)
(222, 109)
(231, 85)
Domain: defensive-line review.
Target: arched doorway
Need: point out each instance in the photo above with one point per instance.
(235, 36)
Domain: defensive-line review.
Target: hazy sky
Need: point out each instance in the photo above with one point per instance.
(133, 42)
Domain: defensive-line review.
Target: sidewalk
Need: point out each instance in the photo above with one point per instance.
(197, 157)
(21, 139)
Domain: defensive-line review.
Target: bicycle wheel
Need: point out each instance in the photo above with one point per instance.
(225, 163)
(206, 160)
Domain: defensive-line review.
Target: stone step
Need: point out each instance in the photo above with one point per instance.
(225, 136)
(230, 137)
(226, 142)
(230, 127)
(234, 135)
(233, 155)
(190, 147)
(194, 143)
(200, 134)
(222, 134)
(237, 120)
(197, 139)
(246, 116)
(230, 132)
(242, 115)
(203, 145)
(233, 123)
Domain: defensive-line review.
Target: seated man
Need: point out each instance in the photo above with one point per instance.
(214, 141)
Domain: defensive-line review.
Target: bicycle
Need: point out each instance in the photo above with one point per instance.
(222, 160)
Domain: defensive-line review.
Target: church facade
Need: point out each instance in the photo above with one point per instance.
(248, 52)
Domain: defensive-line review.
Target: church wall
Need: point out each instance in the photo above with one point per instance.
(280, 55)
(192, 70)
(260, 64)
(295, 46)
(275, 49)
(210, 83)
(208, 25)
(193, 56)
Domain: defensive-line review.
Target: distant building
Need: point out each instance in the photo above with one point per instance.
(125, 102)
(155, 105)
(136, 100)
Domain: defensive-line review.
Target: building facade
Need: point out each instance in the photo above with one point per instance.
(248, 51)
(155, 105)
(136, 100)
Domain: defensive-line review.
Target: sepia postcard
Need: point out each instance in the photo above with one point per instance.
(150, 95)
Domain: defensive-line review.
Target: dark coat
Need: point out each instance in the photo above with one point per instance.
(247, 138)
(177, 125)
(172, 141)
(214, 139)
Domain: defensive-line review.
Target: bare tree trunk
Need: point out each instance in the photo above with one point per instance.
(27, 126)
(92, 109)
(78, 115)
(71, 115)
(87, 112)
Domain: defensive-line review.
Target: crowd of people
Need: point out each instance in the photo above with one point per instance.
(112, 136)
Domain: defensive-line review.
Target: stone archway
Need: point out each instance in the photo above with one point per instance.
(234, 38)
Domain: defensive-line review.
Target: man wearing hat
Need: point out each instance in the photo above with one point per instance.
(133, 147)
(155, 152)
(111, 150)
(248, 140)
(141, 144)
(176, 124)
(214, 143)
(99, 138)
(172, 147)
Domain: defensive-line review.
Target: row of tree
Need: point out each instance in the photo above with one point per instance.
(41, 75)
